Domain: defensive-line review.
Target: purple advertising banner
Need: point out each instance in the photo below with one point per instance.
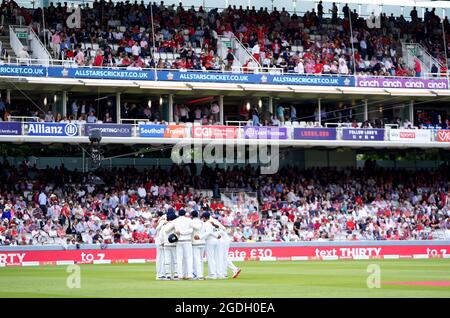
(362, 134)
(255, 132)
(10, 128)
(315, 133)
(379, 82)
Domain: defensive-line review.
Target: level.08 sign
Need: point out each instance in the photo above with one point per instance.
(443, 135)
(52, 129)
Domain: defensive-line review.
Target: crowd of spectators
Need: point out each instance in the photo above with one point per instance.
(55, 205)
(308, 43)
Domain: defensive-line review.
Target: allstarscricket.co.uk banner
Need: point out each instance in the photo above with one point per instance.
(120, 73)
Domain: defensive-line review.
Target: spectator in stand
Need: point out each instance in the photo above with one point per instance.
(255, 116)
(215, 112)
(280, 114)
(49, 117)
(23, 57)
(98, 61)
(79, 56)
(434, 70)
(230, 60)
(417, 67)
(91, 119)
(184, 113)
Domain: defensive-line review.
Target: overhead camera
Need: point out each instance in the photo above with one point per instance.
(95, 135)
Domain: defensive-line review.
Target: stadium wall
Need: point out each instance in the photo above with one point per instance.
(144, 253)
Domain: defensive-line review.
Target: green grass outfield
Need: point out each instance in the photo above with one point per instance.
(258, 279)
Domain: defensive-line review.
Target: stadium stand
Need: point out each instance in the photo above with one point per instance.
(120, 35)
(67, 207)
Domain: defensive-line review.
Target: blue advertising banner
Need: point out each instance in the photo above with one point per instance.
(21, 70)
(265, 132)
(183, 76)
(110, 130)
(362, 134)
(10, 128)
(290, 79)
(52, 129)
(101, 73)
(153, 131)
(315, 133)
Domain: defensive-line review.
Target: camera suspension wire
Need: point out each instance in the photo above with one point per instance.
(351, 40)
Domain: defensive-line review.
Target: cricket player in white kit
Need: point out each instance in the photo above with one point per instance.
(184, 228)
(159, 241)
(198, 247)
(211, 237)
(223, 260)
(170, 252)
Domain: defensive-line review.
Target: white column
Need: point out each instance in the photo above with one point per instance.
(118, 104)
(170, 108)
(64, 104)
(221, 114)
(319, 106)
(366, 110)
(271, 104)
(8, 95)
(411, 111)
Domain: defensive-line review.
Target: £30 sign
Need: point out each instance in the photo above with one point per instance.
(443, 135)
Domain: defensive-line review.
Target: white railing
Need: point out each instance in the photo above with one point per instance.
(16, 45)
(23, 119)
(238, 123)
(349, 125)
(241, 53)
(134, 121)
(414, 50)
(38, 49)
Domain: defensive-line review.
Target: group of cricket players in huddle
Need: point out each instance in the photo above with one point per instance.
(182, 242)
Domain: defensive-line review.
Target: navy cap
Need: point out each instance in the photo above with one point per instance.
(194, 214)
(171, 216)
(206, 215)
(181, 212)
